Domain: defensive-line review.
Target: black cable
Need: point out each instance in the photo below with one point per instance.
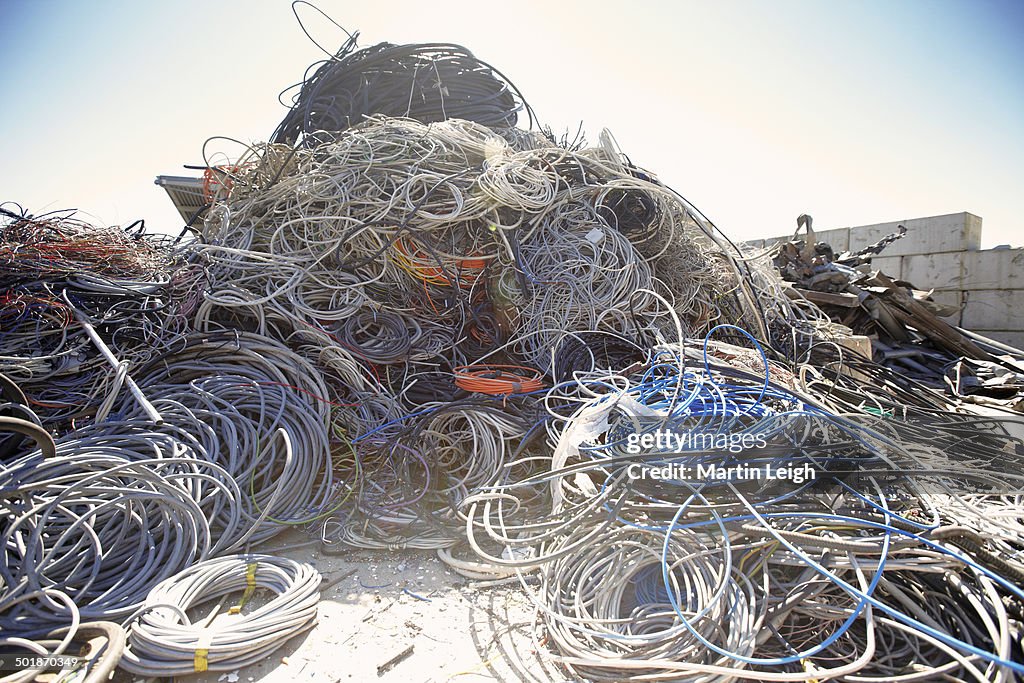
(428, 82)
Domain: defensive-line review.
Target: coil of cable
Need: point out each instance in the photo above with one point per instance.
(163, 640)
(427, 82)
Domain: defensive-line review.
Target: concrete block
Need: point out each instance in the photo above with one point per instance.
(994, 309)
(934, 271)
(948, 297)
(972, 231)
(1014, 338)
(929, 235)
(890, 265)
(993, 269)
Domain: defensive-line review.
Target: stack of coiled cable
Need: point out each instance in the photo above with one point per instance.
(428, 82)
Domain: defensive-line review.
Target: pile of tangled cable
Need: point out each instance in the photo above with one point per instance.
(531, 357)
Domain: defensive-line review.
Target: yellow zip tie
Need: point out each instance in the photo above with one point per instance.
(809, 668)
(250, 588)
(201, 657)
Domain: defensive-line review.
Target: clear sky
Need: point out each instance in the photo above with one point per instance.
(855, 112)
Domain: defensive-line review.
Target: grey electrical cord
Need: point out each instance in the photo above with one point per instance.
(164, 641)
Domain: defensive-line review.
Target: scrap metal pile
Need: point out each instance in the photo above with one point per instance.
(530, 357)
(906, 326)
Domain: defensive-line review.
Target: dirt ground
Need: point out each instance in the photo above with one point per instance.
(388, 602)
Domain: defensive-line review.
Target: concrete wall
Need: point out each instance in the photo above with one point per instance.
(944, 253)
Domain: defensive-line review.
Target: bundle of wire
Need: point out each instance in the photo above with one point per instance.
(164, 641)
(414, 485)
(428, 82)
(498, 379)
(100, 525)
(857, 573)
(137, 289)
(251, 406)
(476, 248)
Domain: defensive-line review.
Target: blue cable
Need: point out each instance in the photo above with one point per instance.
(774, 661)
